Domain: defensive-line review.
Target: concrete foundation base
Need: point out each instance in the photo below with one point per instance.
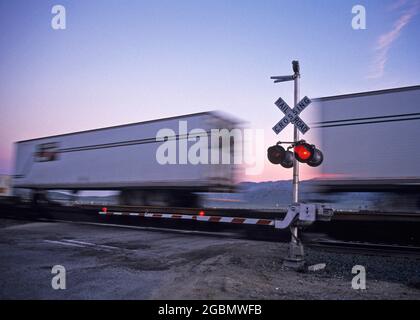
(296, 258)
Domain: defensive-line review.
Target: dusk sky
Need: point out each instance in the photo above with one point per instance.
(124, 61)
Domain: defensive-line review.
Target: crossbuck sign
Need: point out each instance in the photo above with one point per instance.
(292, 115)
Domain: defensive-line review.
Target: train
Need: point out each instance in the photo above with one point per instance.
(370, 142)
(150, 163)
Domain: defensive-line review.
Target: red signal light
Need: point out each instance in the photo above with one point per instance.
(104, 209)
(201, 213)
(304, 152)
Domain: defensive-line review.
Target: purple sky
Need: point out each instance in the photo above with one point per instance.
(128, 61)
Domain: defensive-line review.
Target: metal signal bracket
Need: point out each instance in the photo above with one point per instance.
(292, 144)
(302, 214)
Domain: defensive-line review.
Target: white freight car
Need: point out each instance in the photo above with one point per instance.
(370, 140)
(125, 158)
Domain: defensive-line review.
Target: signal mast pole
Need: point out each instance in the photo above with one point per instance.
(296, 69)
(296, 257)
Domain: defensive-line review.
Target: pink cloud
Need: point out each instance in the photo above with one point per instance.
(386, 40)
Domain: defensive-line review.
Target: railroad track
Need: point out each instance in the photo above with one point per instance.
(329, 245)
(399, 230)
(90, 214)
(234, 212)
(267, 213)
(355, 247)
(365, 247)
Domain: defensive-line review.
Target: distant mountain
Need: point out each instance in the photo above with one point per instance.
(278, 194)
(268, 194)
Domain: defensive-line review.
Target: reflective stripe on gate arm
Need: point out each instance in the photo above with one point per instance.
(235, 220)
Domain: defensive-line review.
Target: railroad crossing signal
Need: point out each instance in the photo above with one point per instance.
(302, 152)
(292, 115)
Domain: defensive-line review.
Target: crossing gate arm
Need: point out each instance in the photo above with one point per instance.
(299, 214)
(235, 220)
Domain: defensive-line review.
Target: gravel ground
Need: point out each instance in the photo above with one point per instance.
(117, 263)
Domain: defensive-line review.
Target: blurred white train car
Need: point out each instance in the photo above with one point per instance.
(370, 141)
(124, 158)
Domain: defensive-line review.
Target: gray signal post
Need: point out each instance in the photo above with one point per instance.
(296, 257)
